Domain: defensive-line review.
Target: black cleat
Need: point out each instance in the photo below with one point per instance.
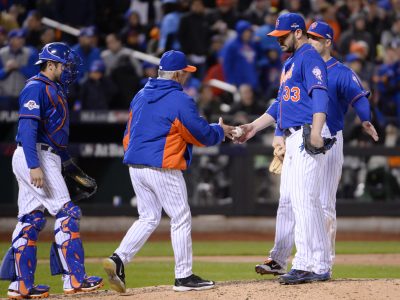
(270, 266)
(192, 282)
(114, 268)
(36, 292)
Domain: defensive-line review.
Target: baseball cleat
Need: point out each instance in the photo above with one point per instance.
(37, 292)
(296, 277)
(270, 266)
(114, 268)
(321, 277)
(89, 284)
(192, 282)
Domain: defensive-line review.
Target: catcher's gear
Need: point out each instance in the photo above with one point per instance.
(80, 185)
(312, 150)
(276, 164)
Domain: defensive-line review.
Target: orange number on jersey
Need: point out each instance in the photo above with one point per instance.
(286, 94)
(296, 94)
(292, 94)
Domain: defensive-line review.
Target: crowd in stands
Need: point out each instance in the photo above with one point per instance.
(225, 39)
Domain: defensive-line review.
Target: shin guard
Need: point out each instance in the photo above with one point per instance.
(69, 247)
(24, 249)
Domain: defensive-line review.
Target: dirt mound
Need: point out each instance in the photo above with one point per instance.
(355, 289)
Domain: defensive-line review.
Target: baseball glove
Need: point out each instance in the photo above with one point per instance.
(312, 150)
(276, 164)
(80, 185)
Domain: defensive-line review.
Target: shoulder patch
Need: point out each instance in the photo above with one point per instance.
(317, 73)
(31, 104)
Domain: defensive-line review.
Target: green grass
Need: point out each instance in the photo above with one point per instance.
(162, 273)
(103, 249)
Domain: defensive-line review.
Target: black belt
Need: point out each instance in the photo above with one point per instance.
(43, 147)
(288, 131)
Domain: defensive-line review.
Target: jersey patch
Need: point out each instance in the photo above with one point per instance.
(317, 73)
(31, 104)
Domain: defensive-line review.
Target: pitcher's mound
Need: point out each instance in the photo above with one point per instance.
(362, 289)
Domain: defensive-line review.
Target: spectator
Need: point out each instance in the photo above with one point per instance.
(224, 16)
(248, 104)
(33, 28)
(97, 90)
(239, 57)
(123, 69)
(257, 12)
(115, 52)
(270, 71)
(86, 49)
(8, 21)
(47, 36)
(149, 71)
(76, 13)
(169, 26)
(152, 43)
(265, 41)
(356, 33)
(16, 66)
(209, 104)
(194, 36)
(391, 35)
(133, 34)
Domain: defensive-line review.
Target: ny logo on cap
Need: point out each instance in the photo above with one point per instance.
(313, 25)
(277, 23)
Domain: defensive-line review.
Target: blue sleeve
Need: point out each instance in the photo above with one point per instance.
(273, 109)
(194, 129)
(351, 88)
(3, 73)
(362, 108)
(320, 101)
(314, 72)
(30, 102)
(28, 132)
(30, 69)
(278, 131)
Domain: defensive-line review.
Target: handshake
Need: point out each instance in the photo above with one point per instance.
(239, 134)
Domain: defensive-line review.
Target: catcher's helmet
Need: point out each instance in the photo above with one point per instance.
(60, 52)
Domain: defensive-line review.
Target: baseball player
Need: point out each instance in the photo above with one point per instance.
(302, 99)
(344, 89)
(163, 126)
(42, 138)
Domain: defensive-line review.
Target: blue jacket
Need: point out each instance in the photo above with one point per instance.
(163, 126)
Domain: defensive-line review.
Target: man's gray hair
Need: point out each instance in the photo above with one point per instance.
(167, 74)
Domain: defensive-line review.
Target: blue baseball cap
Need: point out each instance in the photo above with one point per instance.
(321, 29)
(16, 33)
(174, 61)
(88, 31)
(97, 66)
(287, 23)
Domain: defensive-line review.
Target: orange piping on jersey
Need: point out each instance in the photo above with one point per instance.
(175, 146)
(332, 65)
(127, 137)
(36, 117)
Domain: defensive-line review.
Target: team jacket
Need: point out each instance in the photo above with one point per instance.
(44, 100)
(303, 72)
(344, 89)
(163, 126)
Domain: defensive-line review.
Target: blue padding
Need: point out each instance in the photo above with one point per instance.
(7, 268)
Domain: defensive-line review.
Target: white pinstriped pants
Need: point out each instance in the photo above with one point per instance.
(158, 189)
(332, 170)
(300, 210)
(52, 196)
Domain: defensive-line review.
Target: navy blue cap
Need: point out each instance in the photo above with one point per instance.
(97, 66)
(18, 33)
(321, 29)
(352, 57)
(174, 61)
(287, 23)
(88, 31)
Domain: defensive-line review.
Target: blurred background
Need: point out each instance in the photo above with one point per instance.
(232, 180)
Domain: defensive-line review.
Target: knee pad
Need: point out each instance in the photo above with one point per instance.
(24, 249)
(66, 254)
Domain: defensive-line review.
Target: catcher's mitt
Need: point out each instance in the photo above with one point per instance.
(312, 150)
(80, 185)
(276, 164)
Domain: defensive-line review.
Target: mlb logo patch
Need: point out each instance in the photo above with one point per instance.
(31, 104)
(313, 25)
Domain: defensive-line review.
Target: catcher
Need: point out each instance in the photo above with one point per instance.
(42, 139)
